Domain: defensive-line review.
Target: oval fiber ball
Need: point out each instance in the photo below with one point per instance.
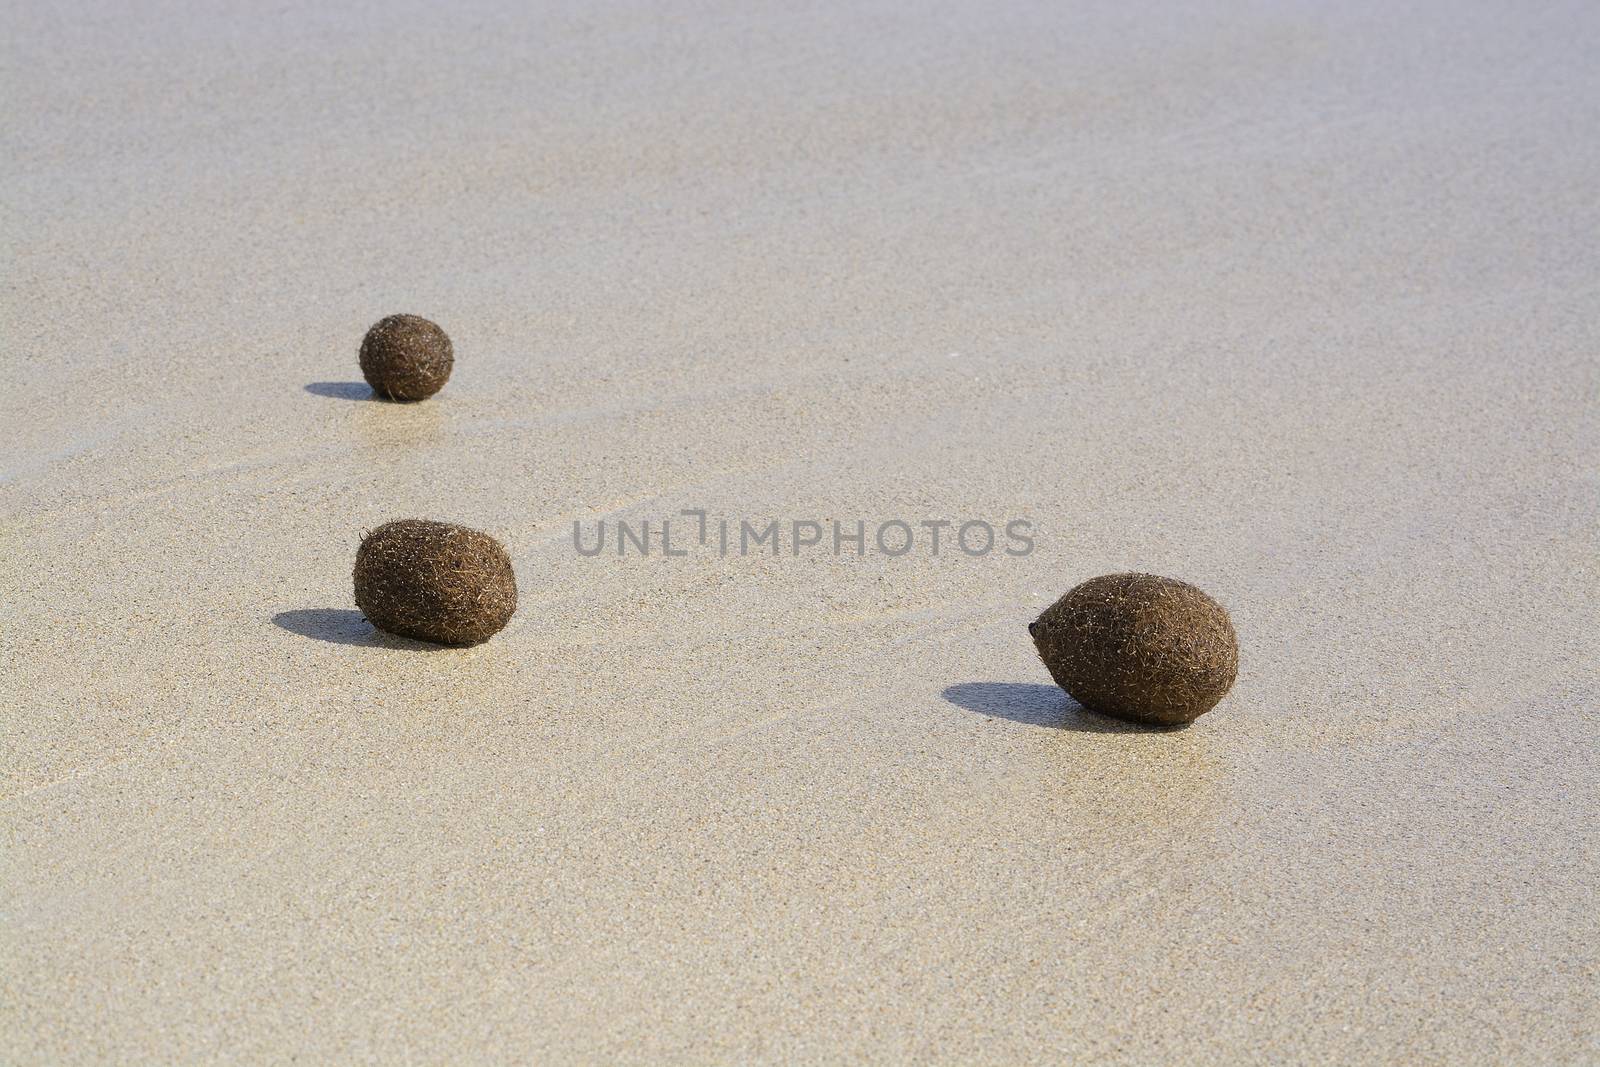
(406, 357)
(435, 581)
(1139, 647)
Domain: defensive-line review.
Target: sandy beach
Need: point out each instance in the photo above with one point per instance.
(1297, 302)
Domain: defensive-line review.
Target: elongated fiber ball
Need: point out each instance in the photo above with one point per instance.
(406, 357)
(1141, 647)
(435, 581)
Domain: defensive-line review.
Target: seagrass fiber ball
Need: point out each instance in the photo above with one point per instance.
(435, 581)
(1139, 647)
(406, 357)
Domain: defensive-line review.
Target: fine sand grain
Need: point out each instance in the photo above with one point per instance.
(1299, 303)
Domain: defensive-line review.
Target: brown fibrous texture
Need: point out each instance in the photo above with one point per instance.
(406, 357)
(1140, 647)
(435, 581)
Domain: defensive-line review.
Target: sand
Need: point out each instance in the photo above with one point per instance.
(1295, 302)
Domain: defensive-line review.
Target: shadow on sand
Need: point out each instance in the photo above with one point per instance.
(343, 390)
(1038, 705)
(341, 626)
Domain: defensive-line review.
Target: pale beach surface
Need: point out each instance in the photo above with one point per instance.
(1298, 302)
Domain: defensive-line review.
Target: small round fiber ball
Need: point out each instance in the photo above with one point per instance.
(435, 581)
(406, 357)
(1140, 647)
